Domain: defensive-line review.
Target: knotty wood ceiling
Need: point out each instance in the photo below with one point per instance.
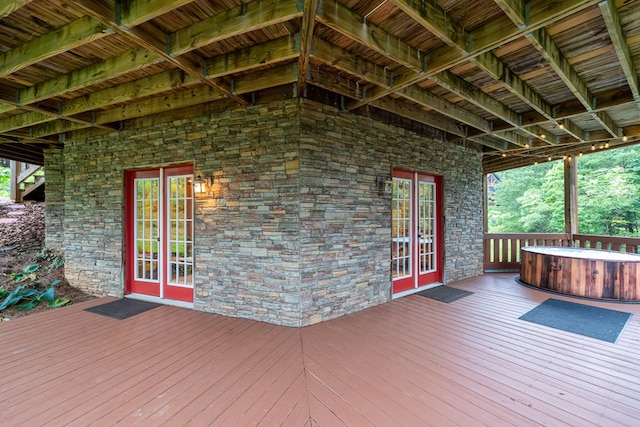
(523, 80)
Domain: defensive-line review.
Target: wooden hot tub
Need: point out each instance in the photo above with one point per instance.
(583, 272)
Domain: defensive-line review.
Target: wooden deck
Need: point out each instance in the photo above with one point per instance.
(413, 362)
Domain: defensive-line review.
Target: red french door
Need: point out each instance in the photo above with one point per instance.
(159, 232)
(416, 231)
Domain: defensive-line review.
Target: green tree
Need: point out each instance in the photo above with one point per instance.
(531, 199)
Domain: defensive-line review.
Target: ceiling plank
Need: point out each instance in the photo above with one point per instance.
(9, 6)
(542, 41)
(345, 61)
(308, 24)
(435, 19)
(499, 71)
(87, 76)
(270, 52)
(135, 12)
(442, 106)
(68, 37)
(154, 40)
(285, 74)
(341, 19)
(614, 26)
(417, 114)
(515, 10)
(146, 107)
(483, 39)
(233, 22)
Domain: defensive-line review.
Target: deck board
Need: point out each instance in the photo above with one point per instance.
(413, 361)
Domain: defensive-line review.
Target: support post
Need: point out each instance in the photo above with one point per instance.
(14, 193)
(571, 196)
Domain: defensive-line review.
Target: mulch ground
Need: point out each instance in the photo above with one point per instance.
(21, 245)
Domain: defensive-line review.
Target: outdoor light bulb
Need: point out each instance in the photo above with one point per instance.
(606, 145)
(593, 147)
(561, 126)
(549, 158)
(504, 154)
(625, 138)
(543, 136)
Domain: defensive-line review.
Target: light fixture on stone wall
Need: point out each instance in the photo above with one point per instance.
(384, 184)
(200, 184)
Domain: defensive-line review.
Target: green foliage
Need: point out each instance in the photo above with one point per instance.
(531, 199)
(55, 259)
(25, 297)
(5, 178)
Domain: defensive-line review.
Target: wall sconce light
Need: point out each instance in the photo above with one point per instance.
(200, 184)
(384, 185)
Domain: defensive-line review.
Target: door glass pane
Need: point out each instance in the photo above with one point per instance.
(147, 228)
(401, 228)
(180, 231)
(427, 227)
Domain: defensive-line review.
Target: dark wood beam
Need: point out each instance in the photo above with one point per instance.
(68, 37)
(308, 24)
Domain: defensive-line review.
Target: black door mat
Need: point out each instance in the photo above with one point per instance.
(581, 319)
(122, 308)
(445, 293)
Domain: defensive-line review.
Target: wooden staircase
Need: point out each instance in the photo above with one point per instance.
(26, 180)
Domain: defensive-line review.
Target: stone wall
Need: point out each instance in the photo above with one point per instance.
(345, 223)
(293, 231)
(54, 197)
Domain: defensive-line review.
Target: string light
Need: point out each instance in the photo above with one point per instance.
(593, 147)
(625, 138)
(606, 145)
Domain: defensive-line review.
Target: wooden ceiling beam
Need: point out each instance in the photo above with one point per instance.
(444, 107)
(154, 40)
(618, 39)
(542, 41)
(68, 37)
(342, 59)
(240, 20)
(168, 81)
(9, 6)
(267, 53)
(279, 76)
(435, 19)
(146, 107)
(417, 114)
(134, 12)
(310, 9)
(516, 10)
(83, 77)
(483, 39)
(499, 71)
(342, 20)
(462, 88)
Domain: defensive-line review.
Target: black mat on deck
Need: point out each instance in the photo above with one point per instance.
(581, 319)
(445, 293)
(122, 308)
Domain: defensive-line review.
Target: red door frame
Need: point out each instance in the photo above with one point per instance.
(148, 287)
(416, 279)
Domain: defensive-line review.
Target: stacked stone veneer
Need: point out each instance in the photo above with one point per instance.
(293, 231)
